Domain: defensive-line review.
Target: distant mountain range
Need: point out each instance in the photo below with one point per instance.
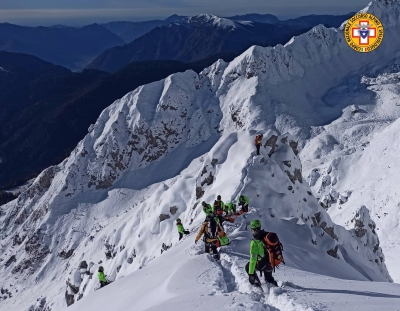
(129, 31)
(46, 109)
(194, 38)
(76, 48)
(67, 46)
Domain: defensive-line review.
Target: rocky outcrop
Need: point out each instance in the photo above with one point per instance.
(365, 230)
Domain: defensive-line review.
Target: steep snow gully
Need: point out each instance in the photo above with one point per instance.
(327, 113)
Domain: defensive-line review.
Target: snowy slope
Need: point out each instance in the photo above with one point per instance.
(200, 282)
(365, 175)
(112, 196)
(130, 226)
(351, 162)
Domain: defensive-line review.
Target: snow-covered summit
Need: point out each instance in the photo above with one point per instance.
(209, 20)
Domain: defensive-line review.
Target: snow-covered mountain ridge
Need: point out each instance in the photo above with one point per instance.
(155, 132)
(209, 20)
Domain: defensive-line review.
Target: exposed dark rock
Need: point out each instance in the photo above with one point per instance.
(316, 219)
(249, 75)
(333, 252)
(294, 144)
(208, 181)
(10, 261)
(296, 176)
(173, 210)
(165, 247)
(214, 162)
(110, 251)
(18, 240)
(290, 188)
(66, 254)
(199, 192)
(329, 230)
(287, 163)
(271, 142)
(44, 182)
(163, 217)
(236, 119)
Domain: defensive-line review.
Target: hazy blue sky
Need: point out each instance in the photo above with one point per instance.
(74, 12)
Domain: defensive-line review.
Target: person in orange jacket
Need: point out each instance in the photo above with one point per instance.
(210, 242)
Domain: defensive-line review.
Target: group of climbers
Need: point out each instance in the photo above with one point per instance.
(265, 248)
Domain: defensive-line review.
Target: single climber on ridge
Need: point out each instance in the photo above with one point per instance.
(181, 229)
(258, 142)
(102, 277)
(244, 203)
(263, 248)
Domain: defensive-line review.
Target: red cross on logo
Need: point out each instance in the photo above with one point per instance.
(363, 32)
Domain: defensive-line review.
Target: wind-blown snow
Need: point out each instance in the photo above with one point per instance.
(153, 155)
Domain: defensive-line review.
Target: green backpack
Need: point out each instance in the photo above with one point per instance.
(223, 241)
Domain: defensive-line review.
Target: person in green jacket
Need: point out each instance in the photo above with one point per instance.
(207, 209)
(102, 277)
(244, 203)
(259, 257)
(181, 229)
(230, 208)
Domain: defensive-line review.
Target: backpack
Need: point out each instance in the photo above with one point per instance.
(275, 249)
(223, 239)
(218, 208)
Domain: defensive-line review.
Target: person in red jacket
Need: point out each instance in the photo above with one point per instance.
(258, 142)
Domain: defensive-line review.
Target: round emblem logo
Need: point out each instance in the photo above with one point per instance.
(363, 32)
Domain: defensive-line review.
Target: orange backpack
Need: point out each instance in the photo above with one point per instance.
(275, 249)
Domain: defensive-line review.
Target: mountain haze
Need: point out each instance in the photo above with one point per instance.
(70, 47)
